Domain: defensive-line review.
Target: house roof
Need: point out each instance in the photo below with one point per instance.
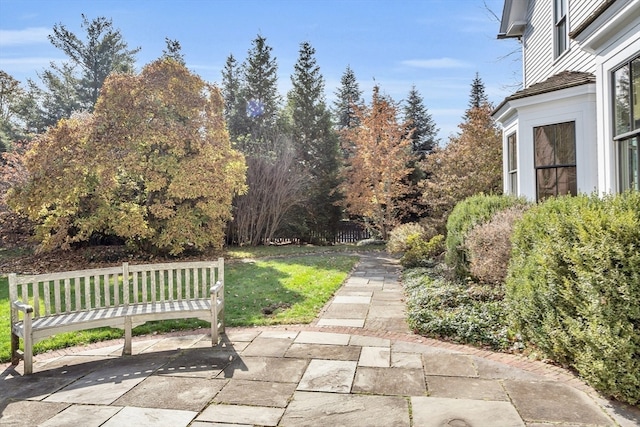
(591, 18)
(563, 80)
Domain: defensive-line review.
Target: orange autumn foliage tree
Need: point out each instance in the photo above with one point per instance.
(378, 152)
(153, 166)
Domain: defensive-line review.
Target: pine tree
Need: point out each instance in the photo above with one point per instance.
(103, 52)
(260, 91)
(315, 140)
(234, 105)
(420, 121)
(348, 96)
(173, 51)
(477, 97)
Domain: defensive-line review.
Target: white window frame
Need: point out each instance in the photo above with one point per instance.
(512, 163)
(560, 28)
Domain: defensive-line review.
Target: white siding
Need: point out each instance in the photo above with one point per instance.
(538, 44)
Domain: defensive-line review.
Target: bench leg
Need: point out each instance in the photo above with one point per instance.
(28, 354)
(214, 326)
(127, 336)
(15, 347)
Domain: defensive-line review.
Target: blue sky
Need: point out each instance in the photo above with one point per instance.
(436, 45)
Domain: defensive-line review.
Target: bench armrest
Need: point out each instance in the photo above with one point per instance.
(215, 288)
(25, 308)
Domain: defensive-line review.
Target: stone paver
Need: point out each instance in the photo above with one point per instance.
(465, 388)
(438, 412)
(260, 393)
(28, 413)
(357, 364)
(324, 351)
(375, 357)
(328, 409)
(554, 403)
(322, 338)
(450, 365)
(335, 376)
(390, 381)
(82, 415)
(106, 384)
(284, 370)
(241, 414)
(189, 394)
(150, 417)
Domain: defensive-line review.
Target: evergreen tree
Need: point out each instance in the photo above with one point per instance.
(260, 91)
(173, 51)
(11, 96)
(348, 97)
(234, 105)
(103, 52)
(423, 138)
(477, 97)
(316, 142)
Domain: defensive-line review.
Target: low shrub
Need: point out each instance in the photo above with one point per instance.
(419, 252)
(574, 284)
(441, 308)
(466, 215)
(489, 245)
(398, 237)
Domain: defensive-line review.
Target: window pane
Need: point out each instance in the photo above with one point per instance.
(561, 37)
(559, 9)
(543, 141)
(567, 181)
(513, 183)
(511, 147)
(565, 144)
(621, 98)
(629, 163)
(635, 72)
(546, 183)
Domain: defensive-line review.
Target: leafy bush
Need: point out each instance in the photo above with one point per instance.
(441, 308)
(420, 252)
(398, 237)
(574, 285)
(466, 215)
(489, 245)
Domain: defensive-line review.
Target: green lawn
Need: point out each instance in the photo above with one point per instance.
(281, 290)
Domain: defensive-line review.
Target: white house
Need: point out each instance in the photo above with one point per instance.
(575, 125)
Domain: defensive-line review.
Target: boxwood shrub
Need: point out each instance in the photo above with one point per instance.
(466, 215)
(573, 288)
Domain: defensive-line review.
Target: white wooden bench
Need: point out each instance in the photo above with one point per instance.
(121, 297)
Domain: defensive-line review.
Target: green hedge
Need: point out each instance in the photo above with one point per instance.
(466, 215)
(573, 288)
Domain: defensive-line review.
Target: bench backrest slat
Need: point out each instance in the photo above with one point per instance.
(116, 291)
(170, 284)
(46, 297)
(179, 285)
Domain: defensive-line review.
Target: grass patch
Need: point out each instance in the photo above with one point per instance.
(291, 250)
(464, 312)
(261, 292)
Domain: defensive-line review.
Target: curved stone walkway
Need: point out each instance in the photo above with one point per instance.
(356, 365)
